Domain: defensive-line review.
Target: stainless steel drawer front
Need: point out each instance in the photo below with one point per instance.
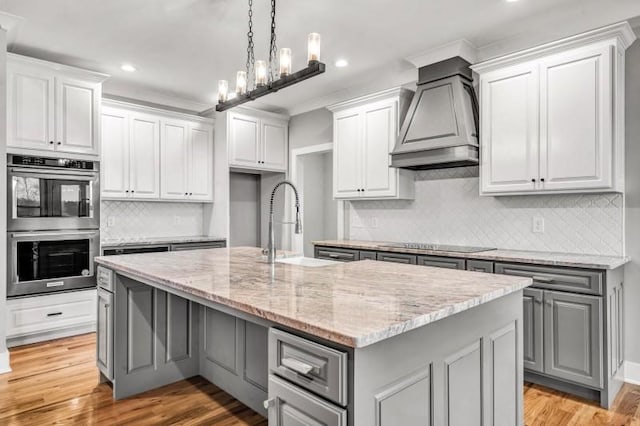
(441, 262)
(575, 280)
(105, 278)
(315, 367)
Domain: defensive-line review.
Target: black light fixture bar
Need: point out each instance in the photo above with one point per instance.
(314, 68)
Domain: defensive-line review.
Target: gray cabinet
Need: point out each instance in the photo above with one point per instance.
(339, 254)
(368, 255)
(104, 333)
(441, 262)
(409, 259)
(573, 337)
(198, 246)
(576, 280)
(480, 266)
(532, 329)
(289, 405)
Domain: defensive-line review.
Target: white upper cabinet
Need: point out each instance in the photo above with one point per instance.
(552, 117)
(257, 143)
(364, 134)
(509, 119)
(151, 154)
(52, 108)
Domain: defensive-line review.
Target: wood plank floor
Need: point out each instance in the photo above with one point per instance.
(57, 383)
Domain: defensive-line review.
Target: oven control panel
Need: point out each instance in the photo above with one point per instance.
(63, 163)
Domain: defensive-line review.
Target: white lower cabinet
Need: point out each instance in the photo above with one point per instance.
(32, 319)
(149, 155)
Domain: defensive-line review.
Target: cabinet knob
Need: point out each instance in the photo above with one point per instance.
(541, 179)
(268, 403)
(50, 142)
(127, 191)
(59, 143)
(191, 193)
(132, 191)
(186, 193)
(533, 180)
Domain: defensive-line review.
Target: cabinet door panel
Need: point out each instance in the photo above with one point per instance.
(256, 345)
(509, 121)
(274, 145)
(572, 337)
(77, 106)
(174, 160)
(347, 156)
(532, 325)
(144, 157)
(576, 115)
(104, 333)
(379, 138)
(200, 163)
(30, 109)
(243, 140)
(115, 153)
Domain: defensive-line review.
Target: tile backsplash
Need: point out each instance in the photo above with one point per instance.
(137, 219)
(447, 209)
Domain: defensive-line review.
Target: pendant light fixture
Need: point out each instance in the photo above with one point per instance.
(264, 77)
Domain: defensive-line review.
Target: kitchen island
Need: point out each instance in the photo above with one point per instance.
(361, 343)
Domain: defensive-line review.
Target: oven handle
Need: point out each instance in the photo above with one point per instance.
(56, 172)
(23, 235)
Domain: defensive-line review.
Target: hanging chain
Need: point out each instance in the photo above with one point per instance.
(250, 54)
(273, 49)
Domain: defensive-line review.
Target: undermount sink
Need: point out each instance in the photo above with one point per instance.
(306, 261)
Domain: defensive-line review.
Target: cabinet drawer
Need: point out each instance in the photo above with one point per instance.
(198, 246)
(105, 278)
(340, 254)
(290, 405)
(480, 266)
(43, 313)
(568, 279)
(313, 366)
(409, 259)
(441, 262)
(368, 255)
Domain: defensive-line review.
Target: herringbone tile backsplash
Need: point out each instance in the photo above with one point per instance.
(138, 219)
(447, 209)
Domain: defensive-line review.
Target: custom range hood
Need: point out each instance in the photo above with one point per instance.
(440, 129)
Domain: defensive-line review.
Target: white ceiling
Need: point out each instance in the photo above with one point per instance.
(182, 47)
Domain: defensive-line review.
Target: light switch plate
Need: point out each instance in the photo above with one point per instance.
(537, 226)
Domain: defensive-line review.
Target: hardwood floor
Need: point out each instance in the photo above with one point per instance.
(57, 383)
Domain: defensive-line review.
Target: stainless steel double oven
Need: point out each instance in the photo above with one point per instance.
(53, 224)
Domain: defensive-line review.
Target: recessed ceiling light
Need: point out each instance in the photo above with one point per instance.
(127, 68)
(341, 63)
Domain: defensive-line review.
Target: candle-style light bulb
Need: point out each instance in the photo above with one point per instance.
(261, 73)
(223, 90)
(285, 62)
(313, 47)
(241, 82)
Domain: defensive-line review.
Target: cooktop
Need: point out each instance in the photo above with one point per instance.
(438, 247)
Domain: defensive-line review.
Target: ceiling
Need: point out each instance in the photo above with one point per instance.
(182, 47)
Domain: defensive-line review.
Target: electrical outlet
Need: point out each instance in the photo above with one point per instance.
(111, 221)
(176, 220)
(538, 225)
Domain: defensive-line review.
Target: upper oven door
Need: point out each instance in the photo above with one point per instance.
(44, 199)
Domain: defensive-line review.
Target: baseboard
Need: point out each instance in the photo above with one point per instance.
(5, 366)
(50, 335)
(632, 372)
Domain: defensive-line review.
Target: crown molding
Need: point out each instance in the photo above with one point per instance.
(142, 108)
(94, 76)
(621, 33)
(372, 97)
(11, 24)
(462, 48)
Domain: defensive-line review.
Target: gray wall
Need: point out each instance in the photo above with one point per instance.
(244, 206)
(311, 128)
(632, 182)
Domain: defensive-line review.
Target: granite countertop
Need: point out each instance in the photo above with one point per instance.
(141, 241)
(354, 304)
(519, 256)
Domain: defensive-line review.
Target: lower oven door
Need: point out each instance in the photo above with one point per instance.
(51, 261)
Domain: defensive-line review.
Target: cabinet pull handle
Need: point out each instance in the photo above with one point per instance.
(542, 279)
(297, 366)
(107, 305)
(54, 314)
